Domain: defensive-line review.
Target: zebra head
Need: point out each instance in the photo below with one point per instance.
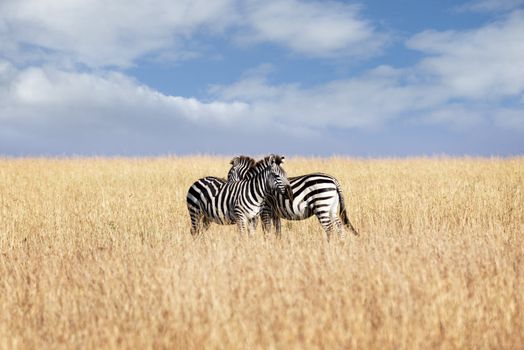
(240, 165)
(277, 179)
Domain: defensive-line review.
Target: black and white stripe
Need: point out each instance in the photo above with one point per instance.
(203, 190)
(242, 165)
(316, 194)
(210, 199)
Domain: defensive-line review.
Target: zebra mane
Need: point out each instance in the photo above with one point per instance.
(264, 163)
(240, 165)
(243, 160)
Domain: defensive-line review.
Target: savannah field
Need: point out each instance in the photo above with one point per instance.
(96, 253)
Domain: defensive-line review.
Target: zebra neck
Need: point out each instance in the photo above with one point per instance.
(261, 188)
(257, 169)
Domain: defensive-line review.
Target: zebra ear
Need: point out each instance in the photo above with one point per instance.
(272, 159)
(280, 159)
(233, 161)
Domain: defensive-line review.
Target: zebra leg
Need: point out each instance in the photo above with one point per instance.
(241, 220)
(335, 225)
(205, 223)
(266, 217)
(326, 222)
(242, 223)
(269, 217)
(245, 224)
(327, 232)
(341, 232)
(278, 226)
(328, 218)
(196, 215)
(253, 224)
(194, 230)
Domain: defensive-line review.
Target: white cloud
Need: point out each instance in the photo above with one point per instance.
(467, 78)
(101, 33)
(58, 101)
(484, 63)
(464, 80)
(49, 111)
(368, 101)
(322, 29)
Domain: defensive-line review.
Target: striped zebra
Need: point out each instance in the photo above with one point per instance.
(239, 201)
(209, 186)
(313, 194)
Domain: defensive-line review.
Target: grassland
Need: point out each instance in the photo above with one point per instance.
(96, 253)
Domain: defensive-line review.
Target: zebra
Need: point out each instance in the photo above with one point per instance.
(210, 199)
(209, 186)
(316, 194)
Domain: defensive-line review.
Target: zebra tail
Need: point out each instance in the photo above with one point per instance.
(343, 212)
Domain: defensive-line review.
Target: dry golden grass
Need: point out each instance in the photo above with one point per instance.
(96, 253)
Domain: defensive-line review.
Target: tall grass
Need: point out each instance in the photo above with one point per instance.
(97, 253)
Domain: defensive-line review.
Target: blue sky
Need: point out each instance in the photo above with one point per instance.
(357, 78)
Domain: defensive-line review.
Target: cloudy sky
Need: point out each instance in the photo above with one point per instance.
(312, 77)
